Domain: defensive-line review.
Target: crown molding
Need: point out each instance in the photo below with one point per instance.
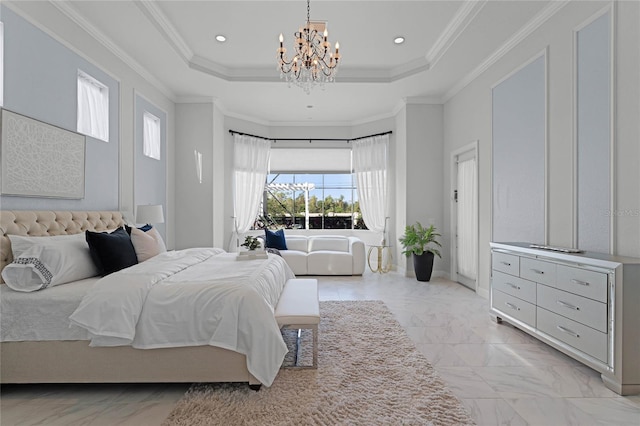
(422, 100)
(312, 123)
(209, 67)
(408, 69)
(465, 14)
(196, 100)
(399, 106)
(243, 117)
(265, 74)
(463, 17)
(374, 118)
(536, 22)
(166, 28)
(68, 10)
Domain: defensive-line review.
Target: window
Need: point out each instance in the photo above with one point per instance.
(93, 107)
(310, 201)
(151, 135)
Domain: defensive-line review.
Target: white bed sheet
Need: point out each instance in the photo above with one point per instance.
(192, 297)
(43, 314)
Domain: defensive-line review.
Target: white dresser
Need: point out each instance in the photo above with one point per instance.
(586, 305)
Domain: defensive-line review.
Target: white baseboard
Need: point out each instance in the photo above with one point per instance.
(483, 292)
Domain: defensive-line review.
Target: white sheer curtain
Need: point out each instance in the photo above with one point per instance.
(93, 107)
(251, 164)
(151, 135)
(467, 221)
(370, 168)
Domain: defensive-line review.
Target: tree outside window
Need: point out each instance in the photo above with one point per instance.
(323, 200)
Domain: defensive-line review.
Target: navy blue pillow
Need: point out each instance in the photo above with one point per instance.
(111, 252)
(144, 228)
(275, 239)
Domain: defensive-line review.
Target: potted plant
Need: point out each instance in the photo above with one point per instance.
(419, 241)
(251, 243)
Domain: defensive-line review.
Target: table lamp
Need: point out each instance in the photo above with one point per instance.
(149, 214)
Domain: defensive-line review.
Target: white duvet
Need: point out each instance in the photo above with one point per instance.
(189, 298)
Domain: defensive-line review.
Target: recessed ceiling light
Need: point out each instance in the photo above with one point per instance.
(221, 38)
(398, 40)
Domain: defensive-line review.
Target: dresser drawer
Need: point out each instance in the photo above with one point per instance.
(586, 283)
(578, 308)
(522, 289)
(581, 337)
(507, 263)
(514, 307)
(538, 271)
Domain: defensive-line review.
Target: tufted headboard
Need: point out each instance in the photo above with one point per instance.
(41, 223)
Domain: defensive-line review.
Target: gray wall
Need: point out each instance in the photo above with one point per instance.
(194, 131)
(425, 170)
(40, 81)
(593, 87)
(62, 44)
(150, 174)
(419, 176)
(467, 117)
(518, 155)
(208, 219)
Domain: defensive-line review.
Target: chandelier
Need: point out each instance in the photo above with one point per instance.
(314, 62)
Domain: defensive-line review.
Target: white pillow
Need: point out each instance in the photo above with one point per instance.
(41, 262)
(147, 244)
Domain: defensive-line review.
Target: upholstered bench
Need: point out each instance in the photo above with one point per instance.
(299, 308)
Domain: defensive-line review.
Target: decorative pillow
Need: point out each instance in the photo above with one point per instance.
(144, 228)
(111, 252)
(275, 239)
(147, 244)
(272, 250)
(41, 262)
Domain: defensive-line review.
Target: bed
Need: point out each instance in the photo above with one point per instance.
(44, 357)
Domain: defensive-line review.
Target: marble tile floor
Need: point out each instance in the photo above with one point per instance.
(502, 375)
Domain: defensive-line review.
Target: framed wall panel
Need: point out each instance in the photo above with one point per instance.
(593, 133)
(519, 154)
(150, 173)
(40, 160)
(40, 81)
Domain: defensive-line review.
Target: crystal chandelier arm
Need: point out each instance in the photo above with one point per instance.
(314, 61)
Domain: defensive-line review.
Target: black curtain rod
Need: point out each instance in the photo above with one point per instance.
(233, 132)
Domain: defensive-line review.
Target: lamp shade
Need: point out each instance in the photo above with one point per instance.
(149, 214)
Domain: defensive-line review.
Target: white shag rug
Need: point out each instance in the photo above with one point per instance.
(369, 373)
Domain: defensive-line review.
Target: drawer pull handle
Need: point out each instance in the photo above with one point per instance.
(566, 330)
(513, 286)
(579, 282)
(505, 263)
(567, 305)
(512, 306)
(537, 271)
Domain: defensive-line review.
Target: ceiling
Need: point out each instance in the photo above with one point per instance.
(172, 44)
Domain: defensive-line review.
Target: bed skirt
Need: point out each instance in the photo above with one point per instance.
(77, 362)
